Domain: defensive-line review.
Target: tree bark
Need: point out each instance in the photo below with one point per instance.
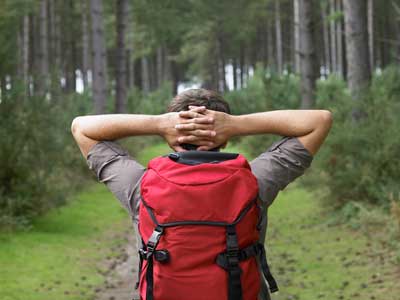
(145, 75)
(241, 66)
(296, 36)
(98, 57)
(120, 76)
(339, 40)
(85, 43)
(221, 65)
(23, 40)
(43, 54)
(371, 32)
(308, 55)
(270, 46)
(234, 73)
(160, 65)
(325, 32)
(278, 32)
(357, 50)
(332, 28)
(71, 56)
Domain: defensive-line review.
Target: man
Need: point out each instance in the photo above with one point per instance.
(200, 119)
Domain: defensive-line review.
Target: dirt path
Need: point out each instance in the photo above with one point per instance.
(121, 278)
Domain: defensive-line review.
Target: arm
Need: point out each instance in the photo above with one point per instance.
(89, 130)
(309, 126)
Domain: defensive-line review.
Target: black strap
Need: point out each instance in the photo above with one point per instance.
(149, 279)
(148, 255)
(273, 286)
(256, 249)
(245, 253)
(139, 272)
(233, 269)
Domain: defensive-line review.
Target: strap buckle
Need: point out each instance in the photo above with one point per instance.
(153, 242)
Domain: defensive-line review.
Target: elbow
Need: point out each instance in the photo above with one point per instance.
(326, 119)
(75, 125)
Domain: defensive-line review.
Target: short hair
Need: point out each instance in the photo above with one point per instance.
(199, 97)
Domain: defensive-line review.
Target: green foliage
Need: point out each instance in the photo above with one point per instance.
(154, 103)
(359, 161)
(40, 161)
(264, 91)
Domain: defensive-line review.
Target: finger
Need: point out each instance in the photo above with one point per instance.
(189, 114)
(202, 133)
(204, 148)
(201, 120)
(178, 148)
(193, 126)
(199, 109)
(194, 140)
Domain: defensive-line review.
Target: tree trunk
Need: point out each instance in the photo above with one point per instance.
(160, 64)
(270, 46)
(359, 73)
(339, 39)
(333, 37)
(85, 43)
(371, 32)
(145, 75)
(23, 42)
(234, 73)
(167, 65)
(278, 32)
(241, 66)
(121, 20)
(130, 71)
(98, 57)
(296, 35)
(43, 55)
(221, 64)
(71, 56)
(325, 32)
(308, 55)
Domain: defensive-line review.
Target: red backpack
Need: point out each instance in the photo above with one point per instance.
(199, 224)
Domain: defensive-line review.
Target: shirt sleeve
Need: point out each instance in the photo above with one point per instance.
(282, 163)
(117, 170)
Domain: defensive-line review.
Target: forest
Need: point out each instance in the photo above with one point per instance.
(62, 59)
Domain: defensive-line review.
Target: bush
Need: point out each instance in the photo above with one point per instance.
(359, 161)
(264, 91)
(41, 164)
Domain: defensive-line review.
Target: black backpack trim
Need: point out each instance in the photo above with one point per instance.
(199, 157)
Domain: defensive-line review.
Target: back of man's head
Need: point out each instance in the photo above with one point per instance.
(198, 97)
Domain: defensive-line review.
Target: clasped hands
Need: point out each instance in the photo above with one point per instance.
(198, 126)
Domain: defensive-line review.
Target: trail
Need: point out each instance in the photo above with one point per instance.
(310, 258)
(120, 281)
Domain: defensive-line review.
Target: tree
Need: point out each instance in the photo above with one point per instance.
(307, 54)
(120, 76)
(43, 54)
(278, 29)
(99, 68)
(357, 50)
(85, 43)
(296, 18)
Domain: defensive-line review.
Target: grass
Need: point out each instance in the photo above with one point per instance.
(315, 260)
(62, 256)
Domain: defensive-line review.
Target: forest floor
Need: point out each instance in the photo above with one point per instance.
(85, 251)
